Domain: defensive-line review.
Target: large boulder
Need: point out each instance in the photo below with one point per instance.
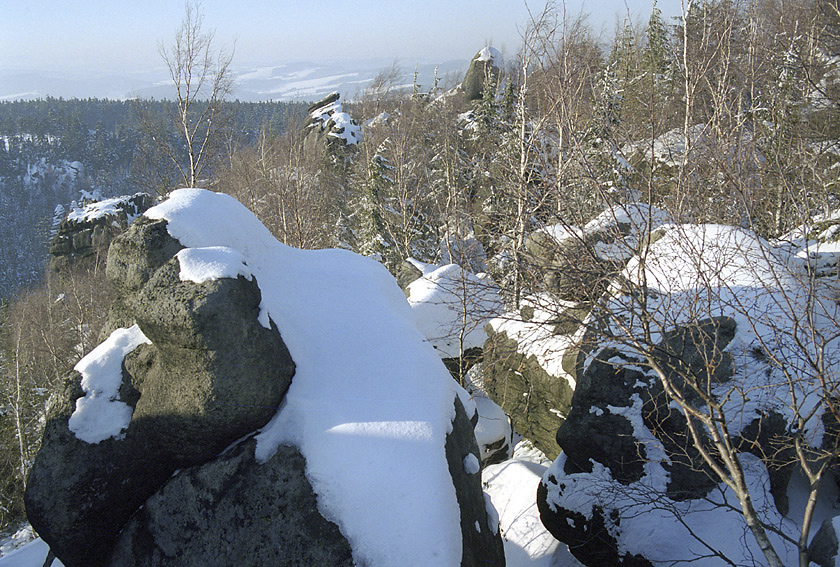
(484, 67)
(529, 367)
(183, 440)
(210, 374)
(261, 514)
(579, 263)
(533, 356)
(329, 129)
(701, 341)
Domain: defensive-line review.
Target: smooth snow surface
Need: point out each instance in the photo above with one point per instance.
(493, 424)
(370, 403)
(490, 54)
(513, 487)
(30, 555)
(452, 306)
(99, 414)
(211, 263)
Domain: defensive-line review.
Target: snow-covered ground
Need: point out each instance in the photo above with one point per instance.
(452, 306)
(512, 486)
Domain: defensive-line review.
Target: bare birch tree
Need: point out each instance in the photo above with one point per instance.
(202, 80)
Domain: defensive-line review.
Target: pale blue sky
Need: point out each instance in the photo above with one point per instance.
(123, 34)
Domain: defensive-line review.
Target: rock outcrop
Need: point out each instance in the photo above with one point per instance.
(329, 129)
(211, 374)
(533, 356)
(89, 229)
(534, 391)
(632, 486)
(484, 67)
(154, 452)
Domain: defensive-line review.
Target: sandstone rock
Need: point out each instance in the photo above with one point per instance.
(407, 273)
(206, 374)
(615, 395)
(79, 495)
(329, 129)
(212, 375)
(484, 66)
(90, 229)
(261, 514)
(529, 368)
(536, 401)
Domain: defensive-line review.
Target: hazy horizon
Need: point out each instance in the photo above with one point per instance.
(86, 34)
(107, 49)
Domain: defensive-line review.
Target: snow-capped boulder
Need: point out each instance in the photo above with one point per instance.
(723, 317)
(533, 356)
(328, 128)
(580, 262)
(201, 383)
(529, 366)
(484, 66)
(142, 406)
(467, 252)
(84, 230)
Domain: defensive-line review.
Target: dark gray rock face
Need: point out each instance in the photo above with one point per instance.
(407, 273)
(261, 514)
(79, 495)
(598, 431)
(133, 258)
(81, 237)
(482, 547)
(824, 546)
(212, 375)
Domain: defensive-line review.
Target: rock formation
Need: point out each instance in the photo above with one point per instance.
(485, 66)
(631, 486)
(533, 357)
(329, 129)
(151, 455)
(211, 375)
(89, 229)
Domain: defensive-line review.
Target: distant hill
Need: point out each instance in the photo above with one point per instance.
(283, 82)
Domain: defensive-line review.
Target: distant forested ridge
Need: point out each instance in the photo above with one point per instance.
(54, 152)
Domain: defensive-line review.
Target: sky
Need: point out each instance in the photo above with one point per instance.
(123, 35)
